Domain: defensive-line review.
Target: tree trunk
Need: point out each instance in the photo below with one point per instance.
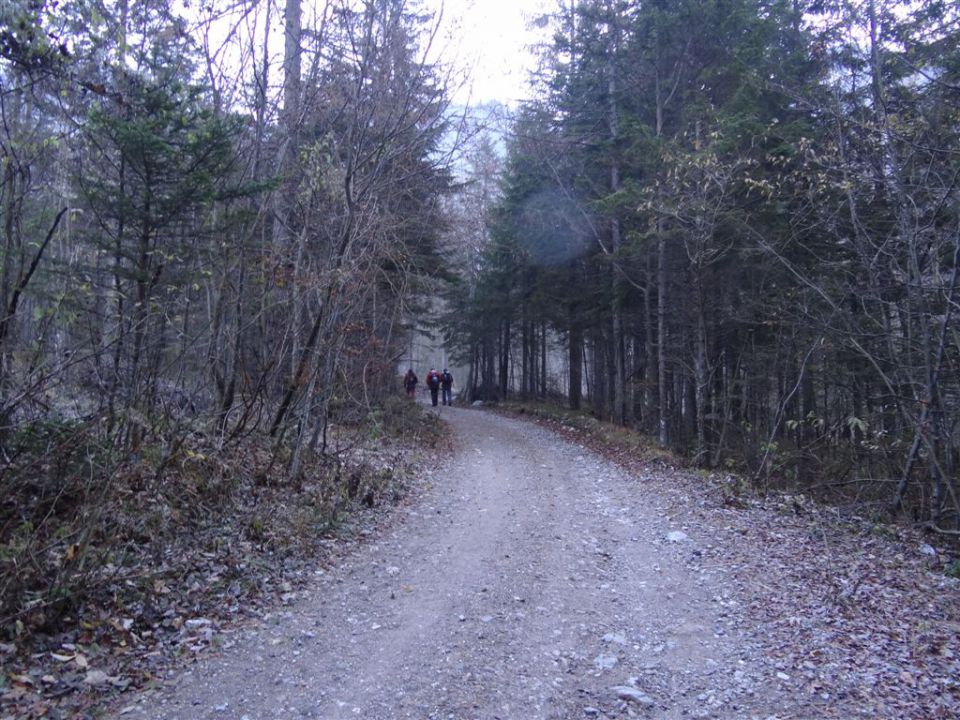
(526, 374)
(575, 350)
(543, 360)
(663, 430)
(701, 378)
(504, 369)
(619, 379)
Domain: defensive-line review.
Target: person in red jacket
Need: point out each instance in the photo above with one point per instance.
(433, 382)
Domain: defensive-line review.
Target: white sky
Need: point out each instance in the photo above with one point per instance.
(489, 40)
(485, 41)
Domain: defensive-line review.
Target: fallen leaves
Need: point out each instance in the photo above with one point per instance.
(190, 573)
(860, 617)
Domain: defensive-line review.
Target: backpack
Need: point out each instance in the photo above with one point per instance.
(433, 380)
(447, 378)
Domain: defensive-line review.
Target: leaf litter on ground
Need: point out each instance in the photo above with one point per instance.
(230, 553)
(857, 615)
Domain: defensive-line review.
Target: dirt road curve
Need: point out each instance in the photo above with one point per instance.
(532, 579)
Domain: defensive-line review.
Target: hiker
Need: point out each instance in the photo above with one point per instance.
(410, 381)
(446, 383)
(433, 382)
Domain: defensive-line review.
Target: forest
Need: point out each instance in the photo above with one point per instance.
(729, 224)
(734, 225)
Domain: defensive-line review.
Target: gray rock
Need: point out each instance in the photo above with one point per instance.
(618, 638)
(677, 536)
(631, 694)
(96, 678)
(605, 662)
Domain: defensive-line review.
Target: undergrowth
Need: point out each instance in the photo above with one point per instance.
(82, 528)
(853, 505)
(640, 447)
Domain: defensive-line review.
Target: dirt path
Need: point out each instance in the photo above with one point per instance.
(532, 579)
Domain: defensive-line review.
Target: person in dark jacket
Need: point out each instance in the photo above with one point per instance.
(433, 382)
(446, 384)
(410, 381)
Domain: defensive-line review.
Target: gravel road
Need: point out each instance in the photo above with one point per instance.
(530, 579)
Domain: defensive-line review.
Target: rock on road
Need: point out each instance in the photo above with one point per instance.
(530, 579)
